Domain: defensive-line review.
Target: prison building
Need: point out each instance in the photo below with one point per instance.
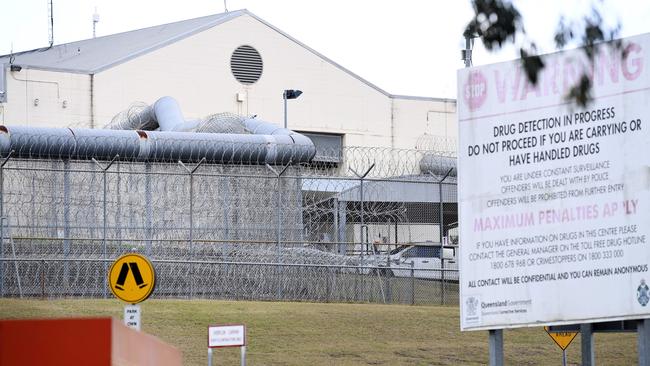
(231, 62)
(229, 205)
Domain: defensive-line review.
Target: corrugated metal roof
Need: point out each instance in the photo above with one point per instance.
(96, 54)
(414, 188)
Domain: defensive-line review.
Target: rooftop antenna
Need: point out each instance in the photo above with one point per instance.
(50, 11)
(95, 21)
(466, 54)
(225, 6)
(11, 55)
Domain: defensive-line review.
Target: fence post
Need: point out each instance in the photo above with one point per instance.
(442, 207)
(442, 278)
(191, 235)
(341, 219)
(412, 283)
(336, 248)
(2, 214)
(225, 186)
(279, 224)
(104, 249)
(356, 284)
(361, 208)
(442, 234)
(327, 284)
(118, 205)
(388, 291)
(43, 279)
(66, 224)
(148, 207)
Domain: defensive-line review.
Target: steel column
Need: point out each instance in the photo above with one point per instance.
(191, 233)
(104, 249)
(587, 346)
(496, 347)
(279, 222)
(643, 341)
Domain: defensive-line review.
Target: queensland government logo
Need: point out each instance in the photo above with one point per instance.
(471, 310)
(643, 293)
(472, 305)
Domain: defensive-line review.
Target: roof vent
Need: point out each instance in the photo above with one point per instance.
(246, 64)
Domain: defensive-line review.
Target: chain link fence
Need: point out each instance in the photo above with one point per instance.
(379, 225)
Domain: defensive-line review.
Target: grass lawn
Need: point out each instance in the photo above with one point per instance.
(284, 333)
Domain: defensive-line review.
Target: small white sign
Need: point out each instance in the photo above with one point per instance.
(232, 335)
(132, 316)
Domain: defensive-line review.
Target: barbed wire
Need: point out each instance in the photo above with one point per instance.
(386, 162)
(138, 116)
(56, 278)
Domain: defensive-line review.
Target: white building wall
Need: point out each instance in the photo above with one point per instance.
(196, 71)
(413, 117)
(37, 97)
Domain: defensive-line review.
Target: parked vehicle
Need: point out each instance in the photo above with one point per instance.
(426, 259)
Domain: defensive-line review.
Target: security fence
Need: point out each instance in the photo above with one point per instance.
(374, 226)
(85, 278)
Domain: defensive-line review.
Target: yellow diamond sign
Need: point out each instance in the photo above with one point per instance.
(132, 278)
(562, 339)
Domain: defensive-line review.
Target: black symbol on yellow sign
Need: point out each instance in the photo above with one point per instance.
(125, 271)
(132, 278)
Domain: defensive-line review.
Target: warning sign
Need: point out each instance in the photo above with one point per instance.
(562, 339)
(132, 278)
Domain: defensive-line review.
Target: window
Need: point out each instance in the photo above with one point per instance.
(329, 147)
(409, 253)
(428, 252)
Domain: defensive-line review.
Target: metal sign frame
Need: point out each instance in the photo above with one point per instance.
(630, 321)
(242, 345)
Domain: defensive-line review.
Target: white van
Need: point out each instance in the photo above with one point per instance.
(425, 259)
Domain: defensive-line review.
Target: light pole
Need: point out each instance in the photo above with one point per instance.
(289, 94)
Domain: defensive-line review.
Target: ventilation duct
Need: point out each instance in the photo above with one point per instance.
(77, 143)
(165, 114)
(220, 123)
(438, 165)
(137, 117)
(267, 143)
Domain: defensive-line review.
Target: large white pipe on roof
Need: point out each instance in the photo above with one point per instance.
(80, 143)
(438, 165)
(168, 114)
(267, 143)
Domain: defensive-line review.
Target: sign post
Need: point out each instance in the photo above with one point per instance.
(563, 340)
(132, 279)
(227, 335)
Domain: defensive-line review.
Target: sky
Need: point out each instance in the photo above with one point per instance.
(406, 47)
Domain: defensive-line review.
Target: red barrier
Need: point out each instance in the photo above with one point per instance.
(89, 341)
